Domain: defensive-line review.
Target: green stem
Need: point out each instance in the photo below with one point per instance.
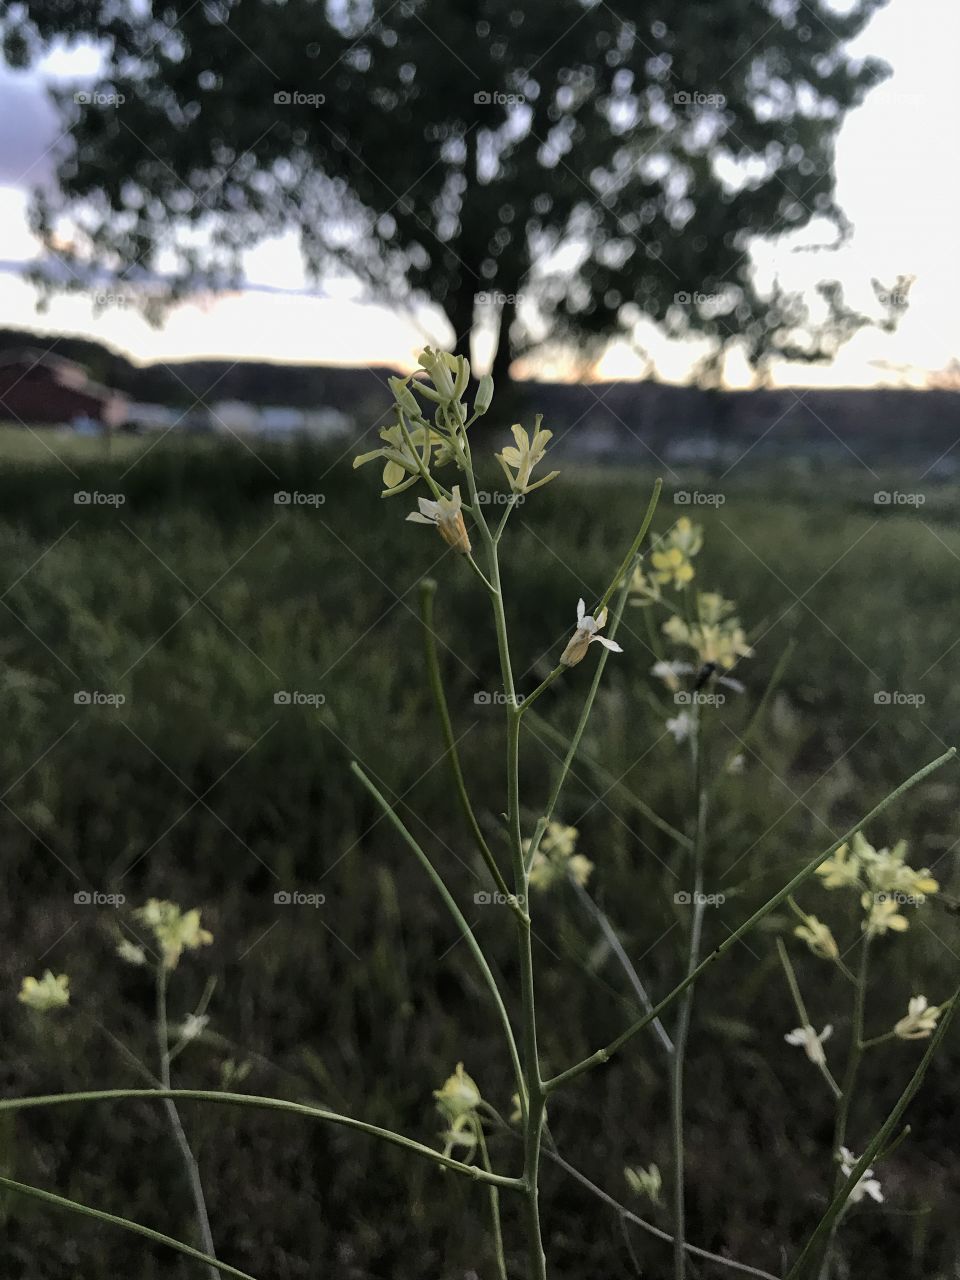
(681, 1035)
(428, 588)
(475, 949)
(744, 739)
(176, 1125)
(626, 564)
(578, 733)
(74, 1206)
(542, 728)
(268, 1104)
(802, 1012)
(494, 1194)
(877, 1144)
(854, 1055)
(660, 1234)
(604, 1054)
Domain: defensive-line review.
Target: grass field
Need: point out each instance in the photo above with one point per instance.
(198, 599)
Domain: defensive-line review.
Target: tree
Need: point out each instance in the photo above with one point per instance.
(557, 171)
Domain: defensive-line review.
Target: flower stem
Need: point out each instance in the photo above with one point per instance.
(74, 1206)
(681, 1034)
(494, 1193)
(428, 589)
(173, 1115)
(270, 1104)
(802, 1012)
(803, 1264)
(604, 1054)
(468, 937)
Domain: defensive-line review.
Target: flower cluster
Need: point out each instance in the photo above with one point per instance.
(556, 858)
(417, 445)
(175, 930)
(715, 634)
(457, 1102)
(672, 556)
(644, 1182)
(884, 880)
(52, 991)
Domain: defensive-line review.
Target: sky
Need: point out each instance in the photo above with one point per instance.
(898, 182)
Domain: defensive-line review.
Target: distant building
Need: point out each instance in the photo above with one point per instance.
(39, 388)
(234, 416)
(152, 417)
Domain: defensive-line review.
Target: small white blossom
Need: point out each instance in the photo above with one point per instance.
(680, 726)
(920, 1021)
(446, 515)
(130, 952)
(868, 1184)
(811, 1042)
(585, 635)
(193, 1025)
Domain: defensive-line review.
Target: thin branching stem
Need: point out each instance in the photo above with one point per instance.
(176, 1125)
(126, 1224)
(804, 1264)
(802, 1014)
(604, 1054)
(449, 902)
(682, 1032)
(268, 1104)
(428, 589)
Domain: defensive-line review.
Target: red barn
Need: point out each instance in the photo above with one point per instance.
(38, 388)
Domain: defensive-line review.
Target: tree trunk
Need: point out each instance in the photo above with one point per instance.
(503, 355)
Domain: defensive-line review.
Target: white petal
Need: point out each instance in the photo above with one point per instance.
(417, 518)
(601, 618)
(581, 611)
(429, 509)
(826, 1033)
(607, 644)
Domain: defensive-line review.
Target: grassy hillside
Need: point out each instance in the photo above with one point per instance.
(198, 600)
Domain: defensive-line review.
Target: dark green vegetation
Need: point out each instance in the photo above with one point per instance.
(202, 789)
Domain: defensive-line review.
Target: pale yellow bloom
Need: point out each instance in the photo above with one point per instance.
(644, 1182)
(522, 459)
(920, 1021)
(401, 465)
(175, 930)
(46, 993)
(883, 914)
(446, 514)
(672, 554)
(818, 938)
(643, 590)
(716, 636)
(586, 635)
(842, 870)
(556, 858)
(459, 1095)
(130, 952)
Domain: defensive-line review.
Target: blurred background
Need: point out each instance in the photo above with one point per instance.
(712, 243)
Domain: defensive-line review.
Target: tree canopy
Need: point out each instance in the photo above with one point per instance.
(558, 170)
